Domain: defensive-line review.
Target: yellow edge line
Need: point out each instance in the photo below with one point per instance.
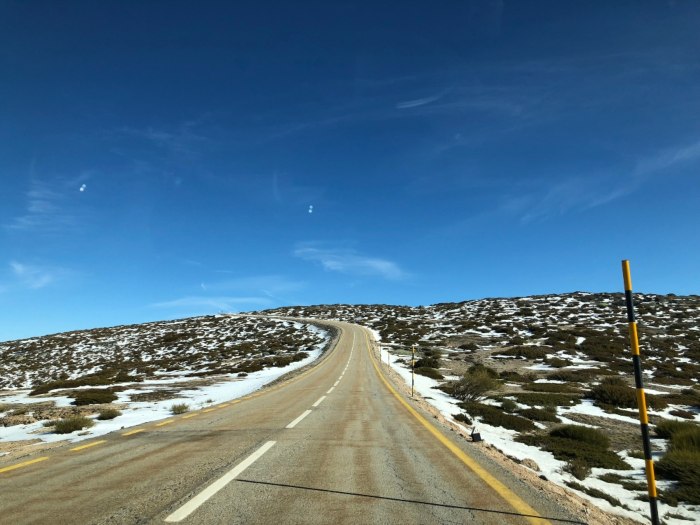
(165, 423)
(516, 502)
(208, 410)
(132, 432)
(190, 415)
(89, 445)
(23, 464)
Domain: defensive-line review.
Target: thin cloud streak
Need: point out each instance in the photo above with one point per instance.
(350, 262)
(218, 303)
(34, 277)
(47, 209)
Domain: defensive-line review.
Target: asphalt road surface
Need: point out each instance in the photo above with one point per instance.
(336, 444)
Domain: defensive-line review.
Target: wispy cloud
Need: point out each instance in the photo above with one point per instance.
(33, 276)
(418, 102)
(580, 193)
(269, 285)
(213, 303)
(48, 205)
(181, 140)
(669, 158)
(350, 262)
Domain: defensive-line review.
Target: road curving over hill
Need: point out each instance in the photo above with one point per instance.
(335, 444)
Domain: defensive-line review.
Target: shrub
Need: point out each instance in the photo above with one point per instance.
(578, 468)
(682, 466)
(475, 384)
(540, 414)
(71, 424)
(496, 417)
(93, 397)
(463, 418)
(579, 433)
(544, 399)
(508, 405)
(581, 375)
(550, 387)
(613, 391)
(686, 439)
(428, 362)
(667, 428)
(180, 408)
(685, 414)
(595, 493)
(429, 372)
(569, 449)
(527, 352)
(108, 413)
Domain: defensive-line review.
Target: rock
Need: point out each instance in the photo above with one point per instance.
(530, 463)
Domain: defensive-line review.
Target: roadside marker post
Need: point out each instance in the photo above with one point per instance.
(413, 367)
(641, 398)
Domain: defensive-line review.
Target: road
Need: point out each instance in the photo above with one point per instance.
(336, 444)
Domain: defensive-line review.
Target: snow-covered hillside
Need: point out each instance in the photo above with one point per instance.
(558, 360)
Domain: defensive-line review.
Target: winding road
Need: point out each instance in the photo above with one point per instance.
(334, 444)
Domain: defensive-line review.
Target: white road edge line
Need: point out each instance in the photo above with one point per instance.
(192, 505)
(336, 383)
(297, 420)
(320, 400)
(330, 390)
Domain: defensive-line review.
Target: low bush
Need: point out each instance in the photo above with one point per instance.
(93, 397)
(613, 391)
(557, 362)
(429, 372)
(428, 362)
(496, 417)
(527, 352)
(108, 413)
(71, 424)
(629, 484)
(686, 439)
(685, 414)
(570, 449)
(462, 418)
(180, 408)
(516, 377)
(475, 384)
(591, 436)
(540, 414)
(682, 466)
(595, 493)
(508, 405)
(667, 428)
(578, 468)
(562, 388)
(545, 399)
(687, 396)
(581, 375)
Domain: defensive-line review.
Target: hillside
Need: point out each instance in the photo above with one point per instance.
(524, 370)
(111, 378)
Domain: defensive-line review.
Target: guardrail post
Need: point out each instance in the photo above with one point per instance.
(641, 398)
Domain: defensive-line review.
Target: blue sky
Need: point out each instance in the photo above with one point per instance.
(167, 159)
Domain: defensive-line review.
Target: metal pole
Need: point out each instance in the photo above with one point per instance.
(413, 367)
(641, 398)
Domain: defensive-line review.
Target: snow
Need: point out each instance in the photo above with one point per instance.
(551, 468)
(138, 413)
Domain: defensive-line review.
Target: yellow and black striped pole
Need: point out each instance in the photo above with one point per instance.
(641, 399)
